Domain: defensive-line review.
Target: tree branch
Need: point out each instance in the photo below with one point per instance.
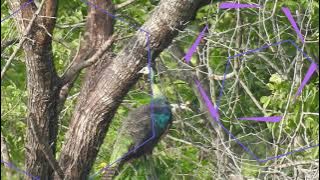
(256, 102)
(74, 69)
(296, 163)
(124, 4)
(273, 65)
(5, 44)
(178, 54)
(99, 28)
(221, 77)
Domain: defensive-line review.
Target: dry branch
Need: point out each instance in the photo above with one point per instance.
(124, 4)
(8, 43)
(256, 102)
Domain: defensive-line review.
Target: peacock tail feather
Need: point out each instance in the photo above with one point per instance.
(110, 172)
(138, 135)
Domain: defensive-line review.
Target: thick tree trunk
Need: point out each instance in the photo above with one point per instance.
(97, 104)
(42, 106)
(42, 84)
(99, 27)
(43, 88)
(5, 155)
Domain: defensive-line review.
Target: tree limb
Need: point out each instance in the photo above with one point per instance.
(99, 28)
(64, 91)
(124, 4)
(256, 102)
(178, 54)
(5, 44)
(273, 65)
(73, 70)
(296, 163)
(222, 77)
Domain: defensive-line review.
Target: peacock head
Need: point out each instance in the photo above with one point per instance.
(158, 96)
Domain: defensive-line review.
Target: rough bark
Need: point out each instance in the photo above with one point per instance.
(100, 97)
(42, 84)
(99, 27)
(5, 155)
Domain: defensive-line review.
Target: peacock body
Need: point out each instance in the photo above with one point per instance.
(141, 131)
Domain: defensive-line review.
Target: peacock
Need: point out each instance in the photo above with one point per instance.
(140, 132)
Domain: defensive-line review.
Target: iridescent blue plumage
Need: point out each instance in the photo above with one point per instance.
(162, 116)
(142, 130)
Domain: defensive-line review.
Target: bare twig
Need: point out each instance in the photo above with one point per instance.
(314, 162)
(76, 25)
(5, 44)
(124, 4)
(188, 143)
(273, 65)
(256, 102)
(66, 87)
(221, 77)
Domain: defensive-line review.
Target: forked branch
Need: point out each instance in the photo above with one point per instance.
(74, 69)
